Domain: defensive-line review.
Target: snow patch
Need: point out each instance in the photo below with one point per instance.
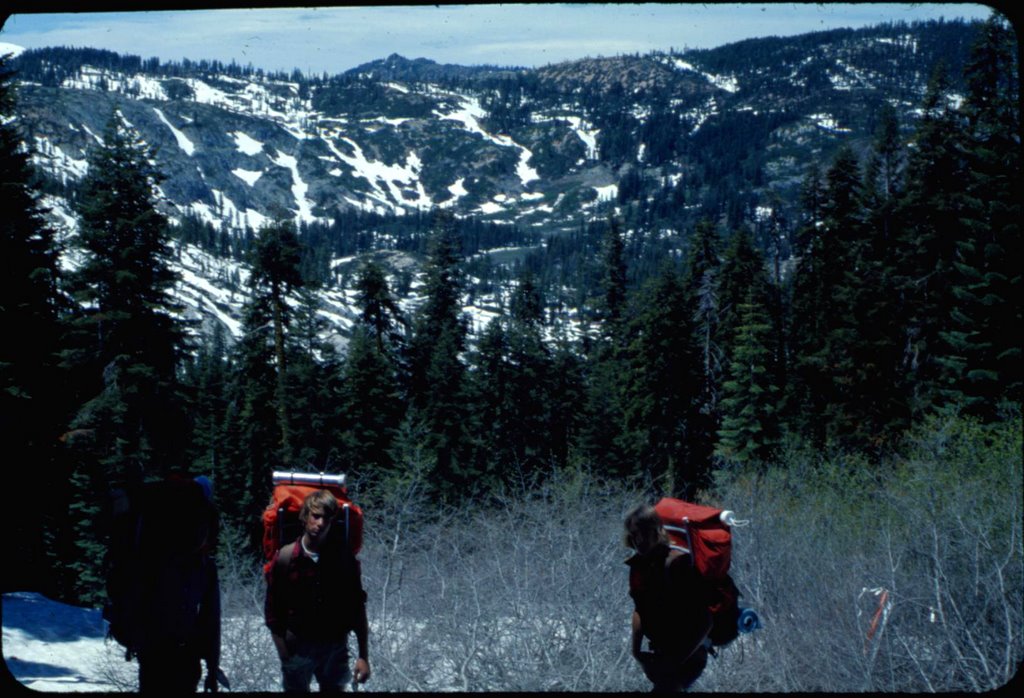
(247, 176)
(183, 142)
(246, 144)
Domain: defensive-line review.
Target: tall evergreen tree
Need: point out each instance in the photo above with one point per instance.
(379, 309)
(750, 430)
(701, 286)
(437, 386)
(980, 358)
(275, 273)
(312, 376)
(128, 341)
(32, 406)
(136, 339)
(662, 378)
(929, 222)
(252, 438)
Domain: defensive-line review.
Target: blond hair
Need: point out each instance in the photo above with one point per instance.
(319, 500)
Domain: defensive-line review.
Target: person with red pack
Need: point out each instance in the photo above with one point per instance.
(315, 597)
(670, 605)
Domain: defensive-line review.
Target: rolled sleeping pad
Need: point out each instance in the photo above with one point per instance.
(748, 621)
(287, 477)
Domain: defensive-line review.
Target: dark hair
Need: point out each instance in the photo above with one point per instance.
(643, 529)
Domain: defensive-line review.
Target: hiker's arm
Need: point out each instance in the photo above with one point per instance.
(274, 612)
(637, 636)
(362, 631)
(211, 616)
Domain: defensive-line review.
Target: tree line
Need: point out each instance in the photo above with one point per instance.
(896, 302)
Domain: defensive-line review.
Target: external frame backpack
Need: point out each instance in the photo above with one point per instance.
(156, 526)
(281, 523)
(704, 532)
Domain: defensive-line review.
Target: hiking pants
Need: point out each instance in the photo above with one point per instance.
(169, 668)
(327, 661)
(669, 673)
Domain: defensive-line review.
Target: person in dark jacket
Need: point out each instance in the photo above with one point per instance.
(315, 597)
(178, 592)
(670, 608)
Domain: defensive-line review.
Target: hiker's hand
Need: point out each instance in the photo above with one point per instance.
(362, 672)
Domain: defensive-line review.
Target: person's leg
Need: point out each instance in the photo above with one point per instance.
(297, 670)
(169, 668)
(333, 672)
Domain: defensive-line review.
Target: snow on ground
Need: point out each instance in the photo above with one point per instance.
(246, 144)
(469, 116)
(299, 187)
(53, 647)
(52, 157)
(13, 49)
(722, 82)
(247, 176)
(183, 142)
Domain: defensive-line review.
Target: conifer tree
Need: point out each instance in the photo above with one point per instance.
(371, 406)
(492, 377)
(128, 341)
(207, 378)
(437, 386)
(252, 439)
(824, 308)
(379, 309)
(880, 312)
(312, 378)
(701, 286)
(601, 440)
(32, 386)
(275, 273)
(929, 213)
(130, 338)
(531, 380)
(613, 279)
(662, 378)
(980, 358)
(750, 430)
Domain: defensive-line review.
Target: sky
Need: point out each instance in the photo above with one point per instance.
(335, 39)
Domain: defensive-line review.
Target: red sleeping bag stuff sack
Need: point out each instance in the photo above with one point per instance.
(281, 523)
(701, 531)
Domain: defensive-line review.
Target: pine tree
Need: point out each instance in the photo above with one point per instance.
(929, 222)
(613, 280)
(252, 438)
(371, 406)
(980, 357)
(312, 385)
(379, 309)
(32, 387)
(131, 341)
(662, 378)
(531, 380)
(437, 385)
(826, 296)
(880, 310)
(701, 286)
(275, 273)
(127, 340)
(750, 430)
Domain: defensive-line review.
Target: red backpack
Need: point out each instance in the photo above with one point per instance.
(281, 523)
(704, 533)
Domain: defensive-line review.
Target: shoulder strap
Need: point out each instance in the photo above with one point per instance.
(285, 556)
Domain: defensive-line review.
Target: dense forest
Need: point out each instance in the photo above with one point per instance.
(809, 361)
